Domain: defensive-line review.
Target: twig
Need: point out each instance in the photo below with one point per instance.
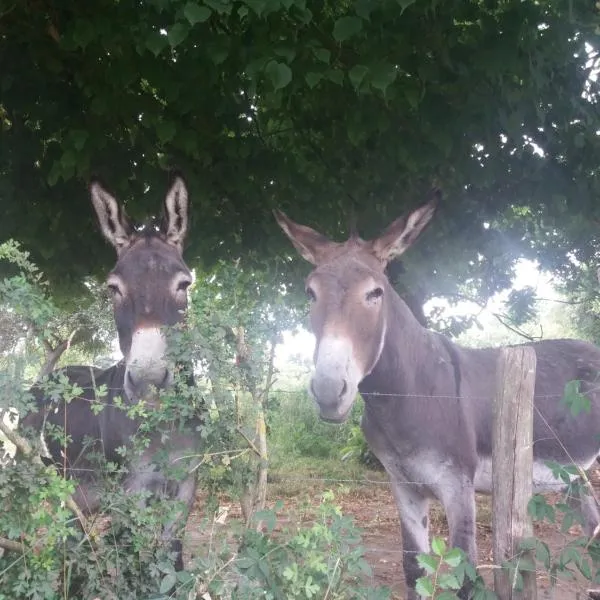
(249, 442)
(25, 447)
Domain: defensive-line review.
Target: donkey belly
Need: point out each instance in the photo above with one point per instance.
(543, 478)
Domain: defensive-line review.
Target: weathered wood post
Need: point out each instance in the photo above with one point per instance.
(512, 466)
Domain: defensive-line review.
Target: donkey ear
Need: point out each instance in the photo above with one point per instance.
(402, 233)
(175, 219)
(309, 243)
(114, 223)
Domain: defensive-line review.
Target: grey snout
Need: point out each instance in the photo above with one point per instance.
(330, 394)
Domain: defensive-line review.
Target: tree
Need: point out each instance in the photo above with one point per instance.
(332, 111)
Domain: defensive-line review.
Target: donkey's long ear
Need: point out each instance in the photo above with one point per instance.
(114, 223)
(310, 243)
(402, 233)
(175, 218)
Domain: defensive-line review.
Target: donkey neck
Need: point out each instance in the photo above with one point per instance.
(410, 356)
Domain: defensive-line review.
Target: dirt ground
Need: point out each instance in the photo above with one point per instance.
(374, 511)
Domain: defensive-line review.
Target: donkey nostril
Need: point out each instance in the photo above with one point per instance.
(344, 388)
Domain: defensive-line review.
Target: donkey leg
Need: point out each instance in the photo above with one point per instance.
(585, 503)
(174, 529)
(414, 523)
(458, 498)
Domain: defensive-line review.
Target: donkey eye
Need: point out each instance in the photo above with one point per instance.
(310, 294)
(374, 294)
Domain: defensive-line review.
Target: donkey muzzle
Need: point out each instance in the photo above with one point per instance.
(146, 363)
(332, 396)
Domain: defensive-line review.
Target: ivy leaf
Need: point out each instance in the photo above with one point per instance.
(177, 34)
(195, 13)
(279, 74)
(345, 27)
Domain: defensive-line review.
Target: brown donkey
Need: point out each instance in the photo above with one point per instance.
(149, 289)
(428, 401)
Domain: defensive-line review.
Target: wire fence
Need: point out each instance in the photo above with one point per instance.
(387, 558)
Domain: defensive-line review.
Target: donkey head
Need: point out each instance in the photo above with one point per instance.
(148, 284)
(349, 294)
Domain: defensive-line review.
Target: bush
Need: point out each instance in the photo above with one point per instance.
(296, 430)
(122, 556)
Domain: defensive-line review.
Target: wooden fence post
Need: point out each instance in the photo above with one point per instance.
(512, 466)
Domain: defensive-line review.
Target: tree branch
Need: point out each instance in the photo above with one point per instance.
(11, 545)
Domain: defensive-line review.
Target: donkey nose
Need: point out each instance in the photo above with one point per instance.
(138, 381)
(328, 391)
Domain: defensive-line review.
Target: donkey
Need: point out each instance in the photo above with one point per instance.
(428, 401)
(149, 291)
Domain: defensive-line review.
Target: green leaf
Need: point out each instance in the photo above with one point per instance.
(346, 27)
(268, 517)
(79, 137)
(245, 562)
(539, 509)
(195, 13)
(446, 595)
(438, 546)
(177, 34)
(454, 557)
(383, 75)
(574, 399)
(156, 42)
(335, 75)
(424, 587)
(404, 4)
(312, 78)
(364, 8)
(286, 52)
(357, 74)
(222, 7)
(168, 581)
(428, 562)
(448, 581)
(258, 6)
(165, 131)
(279, 74)
(322, 54)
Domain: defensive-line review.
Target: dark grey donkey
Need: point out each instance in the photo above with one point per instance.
(149, 289)
(428, 401)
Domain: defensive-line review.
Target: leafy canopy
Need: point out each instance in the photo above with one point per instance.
(330, 110)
